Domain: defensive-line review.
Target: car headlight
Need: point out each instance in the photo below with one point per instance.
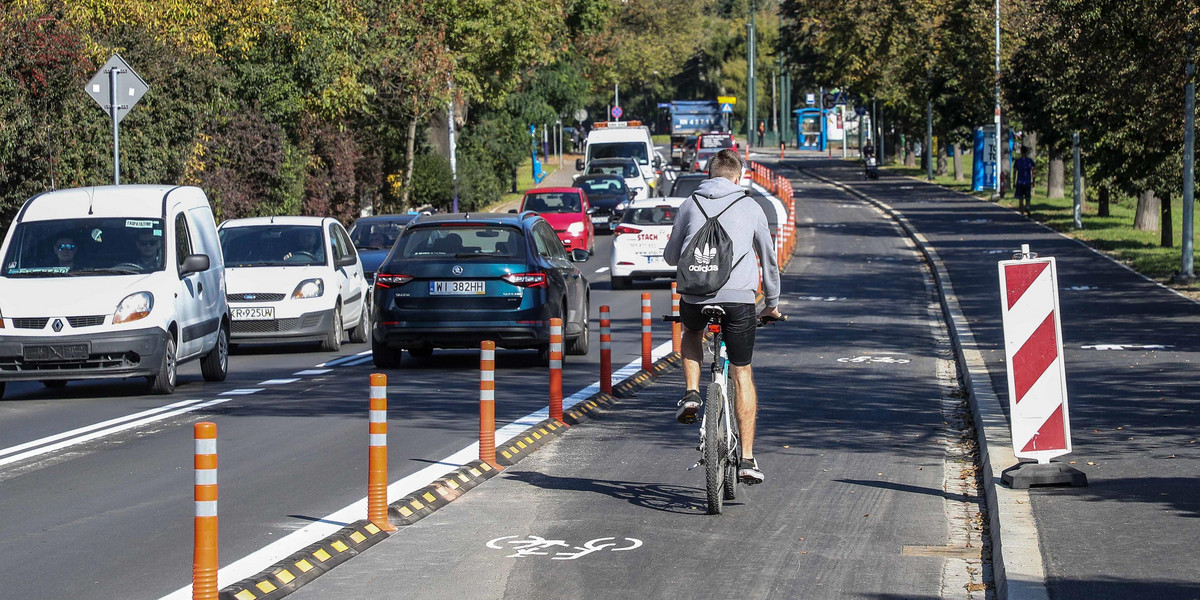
(575, 228)
(134, 307)
(309, 288)
(620, 206)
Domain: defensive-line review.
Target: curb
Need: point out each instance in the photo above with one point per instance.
(305, 565)
(1017, 564)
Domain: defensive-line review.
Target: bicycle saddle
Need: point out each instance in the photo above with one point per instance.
(712, 310)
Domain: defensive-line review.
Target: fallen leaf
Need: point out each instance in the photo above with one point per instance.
(976, 587)
(1091, 463)
(866, 515)
(1072, 462)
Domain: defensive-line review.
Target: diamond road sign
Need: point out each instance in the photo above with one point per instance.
(130, 88)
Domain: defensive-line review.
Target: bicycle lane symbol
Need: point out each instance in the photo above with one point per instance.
(874, 359)
(539, 546)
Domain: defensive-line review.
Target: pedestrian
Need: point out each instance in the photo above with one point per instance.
(762, 131)
(1024, 186)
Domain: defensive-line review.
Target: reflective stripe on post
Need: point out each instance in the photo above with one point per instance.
(556, 355)
(204, 554)
(676, 326)
(377, 470)
(487, 403)
(646, 363)
(605, 351)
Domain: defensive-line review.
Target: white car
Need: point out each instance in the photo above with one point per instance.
(639, 240)
(294, 279)
(113, 282)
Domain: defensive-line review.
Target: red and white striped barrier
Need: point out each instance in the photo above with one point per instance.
(1037, 381)
(647, 363)
(556, 360)
(204, 553)
(676, 327)
(605, 351)
(487, 403)
(377, 469)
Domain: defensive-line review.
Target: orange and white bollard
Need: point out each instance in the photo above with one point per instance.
(676, 326)
(377, 469)
(204, 554)
(487, 403)
(556, 355)
(646, 363)
(605, 351)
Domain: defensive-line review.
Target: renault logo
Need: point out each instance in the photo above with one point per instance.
(457, 270)
(57, 325)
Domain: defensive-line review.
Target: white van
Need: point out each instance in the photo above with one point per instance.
(620, 139)
(113, 282)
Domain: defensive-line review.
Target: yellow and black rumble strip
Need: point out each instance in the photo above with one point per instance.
(287, 575)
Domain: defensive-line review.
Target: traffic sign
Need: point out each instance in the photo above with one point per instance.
(664, 105)
(580, 115)
(810, 99)
(726, 108)
(129, 87)
(617, 112)
(860, 110)
(840, 98)
(828, 101)
(726, 100)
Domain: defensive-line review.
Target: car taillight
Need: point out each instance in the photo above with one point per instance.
(387, 280)
(625, 229)
(526, 279)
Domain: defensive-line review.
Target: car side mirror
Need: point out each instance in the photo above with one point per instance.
(193, 263)
(591, 210)
(657, 163)
(346, 261)
(579, 164)
(512, 211)
(579, 255)
(632, 194)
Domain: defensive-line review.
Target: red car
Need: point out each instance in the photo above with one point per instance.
(566, 209)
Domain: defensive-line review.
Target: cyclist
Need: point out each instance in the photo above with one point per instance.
(746, 224)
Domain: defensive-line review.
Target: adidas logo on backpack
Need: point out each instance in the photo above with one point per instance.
(707, 260)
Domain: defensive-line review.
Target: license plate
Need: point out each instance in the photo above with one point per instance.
(257, 313)
(457, 288)
(599, 220)
(56, 352)
(655, 260)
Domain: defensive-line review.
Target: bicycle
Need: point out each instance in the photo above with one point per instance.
(720, 446)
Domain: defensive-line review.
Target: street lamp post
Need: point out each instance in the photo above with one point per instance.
(751, 80)
(999, 147)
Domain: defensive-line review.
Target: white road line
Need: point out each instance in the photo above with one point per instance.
(358, 361)
(93, 427)
(276, 551)
(242, 392)
(110, 431)
(279, 381)
(308, 372)
(602, 270)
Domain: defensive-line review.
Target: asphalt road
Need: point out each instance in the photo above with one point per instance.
(859, 437)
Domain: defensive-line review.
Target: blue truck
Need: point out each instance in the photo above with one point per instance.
(692, 117)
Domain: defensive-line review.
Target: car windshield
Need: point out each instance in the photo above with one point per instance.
(686, 186)
(634, 150)
(553, 202)
(273, 246)
(376, 235)
(602, 185)
(651, 215)
(467, 241)
(73, 247)
(624, 169)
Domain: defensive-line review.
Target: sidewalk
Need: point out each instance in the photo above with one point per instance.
(1131, 348)
(562, 176)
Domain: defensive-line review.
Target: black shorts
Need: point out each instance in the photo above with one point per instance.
(1023, 190)
(737, 328)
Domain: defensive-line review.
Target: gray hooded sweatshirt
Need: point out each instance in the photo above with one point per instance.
(747, 227)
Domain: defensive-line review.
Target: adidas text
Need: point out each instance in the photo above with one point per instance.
(704, 269)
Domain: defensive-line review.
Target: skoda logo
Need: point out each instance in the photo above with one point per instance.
(57, 325)
(457, 270)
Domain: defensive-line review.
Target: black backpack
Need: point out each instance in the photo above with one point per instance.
(707, 259)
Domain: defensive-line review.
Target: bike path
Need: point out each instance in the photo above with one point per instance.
(1131, 347)
(858, 455)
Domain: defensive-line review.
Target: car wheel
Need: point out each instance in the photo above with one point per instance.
(544, 355)
(55, 384)
(620, 283)
(215, 365)
(1, 389)
(578, 346)
(421, 352)
(163, 382)
(362, 332)
(333, 339)
(385, 356)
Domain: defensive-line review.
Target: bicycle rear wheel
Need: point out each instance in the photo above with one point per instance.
(733, 456)
(714, 449)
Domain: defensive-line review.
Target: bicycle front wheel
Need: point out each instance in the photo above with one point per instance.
(733, 455)
(714, 449)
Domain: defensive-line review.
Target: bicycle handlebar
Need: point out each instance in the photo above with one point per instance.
(761, 320)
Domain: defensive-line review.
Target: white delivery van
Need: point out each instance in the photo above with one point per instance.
(113, 282)
(623, 139)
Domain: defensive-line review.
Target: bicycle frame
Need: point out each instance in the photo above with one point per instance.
(720, 378)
